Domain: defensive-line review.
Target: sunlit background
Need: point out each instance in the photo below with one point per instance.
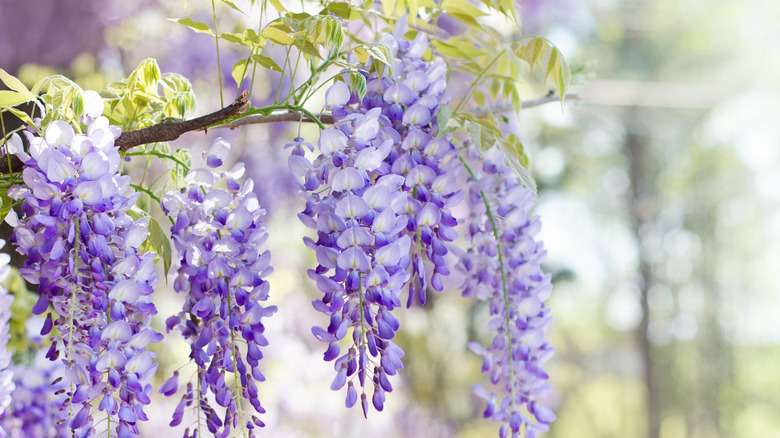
(659, 196)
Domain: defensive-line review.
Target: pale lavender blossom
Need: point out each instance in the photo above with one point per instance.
(428, 163)
(503, 267)
(379, 196)
(36, 401)
(6, 374)
(82, 251)
(219, 235)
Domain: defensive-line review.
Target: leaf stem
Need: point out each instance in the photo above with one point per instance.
(5, 142)
(476, 81)
(161, 155)
(219, 63)
(145, 190)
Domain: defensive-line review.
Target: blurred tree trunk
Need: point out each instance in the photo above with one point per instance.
(641, 207)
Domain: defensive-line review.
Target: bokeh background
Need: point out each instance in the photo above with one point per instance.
(659, 195)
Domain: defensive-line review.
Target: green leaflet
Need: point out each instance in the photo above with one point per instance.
(357, 82)
(197, 26)
(537, 51)
(266, 62)
(156, 240)
(11, 98)
(233, 6)
(15, 85)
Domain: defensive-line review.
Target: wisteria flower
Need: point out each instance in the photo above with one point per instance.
(82, 251)
(219, 235)
(503, 267)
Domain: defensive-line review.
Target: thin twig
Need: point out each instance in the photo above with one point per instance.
(547, 99)
(527, 104)
(171, 130)
(167, 130)
(287, 116)
(327, 119)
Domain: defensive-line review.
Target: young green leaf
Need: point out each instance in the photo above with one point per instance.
(278, 5)
(236, 38)
(443, 118)
(357, 82)
(278, 36)
(197, 26)
(233, 6)
(239, 71)
(15, 84)
(156, 239)
(160, 243)
(11, 98)
(266, 62)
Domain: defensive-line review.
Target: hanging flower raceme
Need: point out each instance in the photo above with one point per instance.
(6, 374)
(362, 260)
(219, 234)
(82, 250)
(410, 101)
(36, 400)
(378, 196)
(502, 267)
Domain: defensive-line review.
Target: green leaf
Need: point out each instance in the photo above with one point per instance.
(462, 6)
(160, 243)
(343, 10)
(15, 84)
(278, 36)
(232, 5)
(443, 118)
(197, 26)
(237, 38)
(515, 158)
(361, 54)
(156, 239)
(479, 97)
(11, 98)
(357, 82)
(23, 116)
(6, 204)
(266, 62)
(239, 71)
(278, 5)
(475, 134)
(149, 73)
(252, 36)
(557, 70)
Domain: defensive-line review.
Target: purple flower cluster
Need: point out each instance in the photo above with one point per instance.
(358, 222)
(82, 250)
(409, 102)
(502, 266)
(36, 401)
(6, 375)
(378, 196)
(219, 234)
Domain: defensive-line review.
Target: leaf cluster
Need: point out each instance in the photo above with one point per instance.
(147, 96)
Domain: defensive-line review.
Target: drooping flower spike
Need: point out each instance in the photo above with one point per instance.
(410, 101)
(378, 196)
(503, 267)
(82, 250)
(6, 374)
(362, 262)
(36, 401)
(219, 235)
